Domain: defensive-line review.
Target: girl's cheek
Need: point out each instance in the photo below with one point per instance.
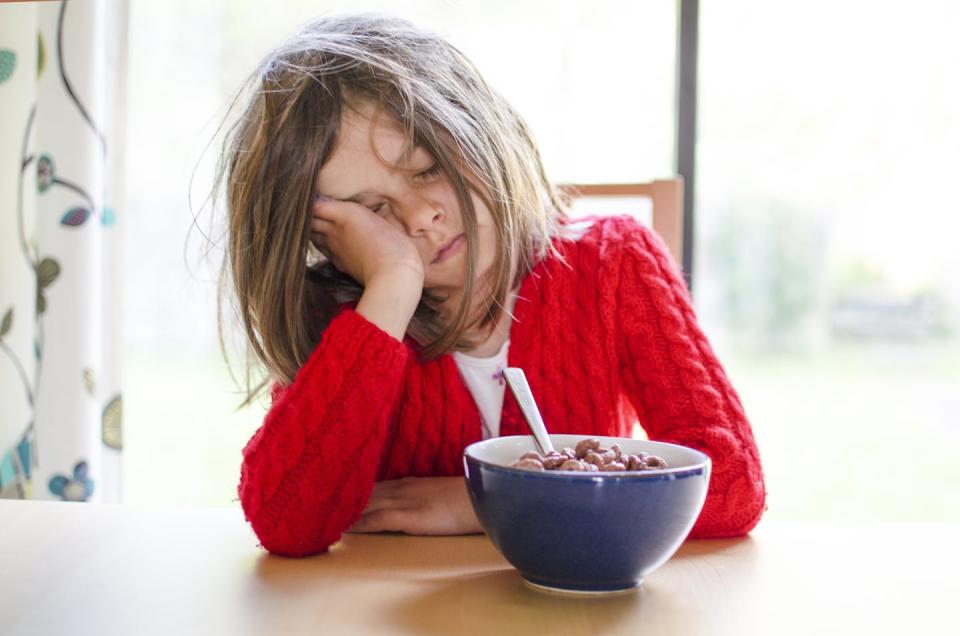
(443, 193)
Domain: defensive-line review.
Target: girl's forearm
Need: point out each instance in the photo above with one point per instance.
(310, 468)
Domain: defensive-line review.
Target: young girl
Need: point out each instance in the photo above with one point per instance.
(394, 242)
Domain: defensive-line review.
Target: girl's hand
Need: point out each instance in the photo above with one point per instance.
(362, 244)
(419, 505)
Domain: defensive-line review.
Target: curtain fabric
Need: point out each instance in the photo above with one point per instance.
(61, 96)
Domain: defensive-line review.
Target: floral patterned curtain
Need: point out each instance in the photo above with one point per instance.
(61, 92)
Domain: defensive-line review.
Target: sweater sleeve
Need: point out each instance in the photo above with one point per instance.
(309, 470)
(678, 387)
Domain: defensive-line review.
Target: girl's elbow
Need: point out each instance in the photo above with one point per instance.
(286, 541)
(285, 533)
(292, 549)
(732, 515)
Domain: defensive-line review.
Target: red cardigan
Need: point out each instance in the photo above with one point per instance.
(604, 340)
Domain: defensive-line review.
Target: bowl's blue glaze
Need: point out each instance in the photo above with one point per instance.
(591, 532)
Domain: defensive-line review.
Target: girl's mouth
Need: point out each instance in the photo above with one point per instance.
(451, 248)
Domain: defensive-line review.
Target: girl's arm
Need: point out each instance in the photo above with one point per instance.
(309, 470)
(678, 387)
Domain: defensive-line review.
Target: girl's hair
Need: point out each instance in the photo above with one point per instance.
(286, 292)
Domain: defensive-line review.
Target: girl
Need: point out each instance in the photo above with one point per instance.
(393, 243)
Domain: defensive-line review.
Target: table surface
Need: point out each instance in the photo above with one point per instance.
(95, 569)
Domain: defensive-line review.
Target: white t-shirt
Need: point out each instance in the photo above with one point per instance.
(484, 376)
(484, 379)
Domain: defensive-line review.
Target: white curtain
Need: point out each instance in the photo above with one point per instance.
(61, 135)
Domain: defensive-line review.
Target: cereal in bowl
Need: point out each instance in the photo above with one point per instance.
(588, 456)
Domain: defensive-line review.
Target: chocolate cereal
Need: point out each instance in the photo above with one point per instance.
(589, 457)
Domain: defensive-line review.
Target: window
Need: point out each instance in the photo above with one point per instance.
(827, 271)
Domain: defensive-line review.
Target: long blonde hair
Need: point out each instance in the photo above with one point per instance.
(285, 293)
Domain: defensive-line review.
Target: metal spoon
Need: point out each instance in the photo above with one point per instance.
(517, 382)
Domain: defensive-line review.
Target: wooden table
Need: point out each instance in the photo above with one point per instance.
(104, 570)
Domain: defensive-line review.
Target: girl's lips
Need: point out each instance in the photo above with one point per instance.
(450, 249)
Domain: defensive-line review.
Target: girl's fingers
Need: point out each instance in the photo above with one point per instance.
(323, 210)
(384, 521)
(392, 487)
(335, 210)
(385, 503)
(385, 496)
(320, 226)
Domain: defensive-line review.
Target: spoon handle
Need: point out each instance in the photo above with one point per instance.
(517, 382)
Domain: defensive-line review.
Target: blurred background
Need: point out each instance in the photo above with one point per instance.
(825, 269)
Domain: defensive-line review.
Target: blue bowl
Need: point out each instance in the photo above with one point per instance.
(585, 532)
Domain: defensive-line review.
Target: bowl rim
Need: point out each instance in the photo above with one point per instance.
(656, 473)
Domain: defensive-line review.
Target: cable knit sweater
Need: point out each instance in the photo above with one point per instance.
(605, 339)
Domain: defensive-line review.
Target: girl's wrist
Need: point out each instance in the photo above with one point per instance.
(403, 273)
(390, 300)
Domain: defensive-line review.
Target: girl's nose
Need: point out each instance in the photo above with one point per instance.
(423, 214)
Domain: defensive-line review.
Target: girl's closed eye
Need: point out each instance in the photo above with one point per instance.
(429, 174)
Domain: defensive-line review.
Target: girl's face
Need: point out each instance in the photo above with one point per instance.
(367, 166)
